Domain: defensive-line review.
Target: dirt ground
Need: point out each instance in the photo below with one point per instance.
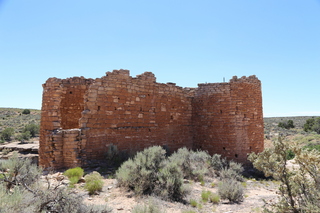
(121, 201)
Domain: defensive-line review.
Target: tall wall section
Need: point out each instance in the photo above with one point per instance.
(62, 104)
(134, 113)
(228, 119)
(81, 118)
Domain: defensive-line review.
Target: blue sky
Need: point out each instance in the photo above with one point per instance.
(186, 42)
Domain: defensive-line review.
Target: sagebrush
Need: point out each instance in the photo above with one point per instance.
(300, 185)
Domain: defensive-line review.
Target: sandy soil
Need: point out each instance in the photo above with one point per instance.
(123, 201)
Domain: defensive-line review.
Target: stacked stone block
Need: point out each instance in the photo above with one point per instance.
(227, 118)
(81, 118)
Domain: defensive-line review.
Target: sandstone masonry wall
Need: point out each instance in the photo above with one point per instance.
(228, 119)
(82, 117)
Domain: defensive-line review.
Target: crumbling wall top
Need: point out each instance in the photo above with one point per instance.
(147, 76)
(251, 79)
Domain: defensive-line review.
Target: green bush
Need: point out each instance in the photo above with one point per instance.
(188, 211)
(74, 174)
(170, 182)
(7, 133)
(193, 203)
(233, 171)
(22, 191)
(287, 124)
(205, 195)
(6, 151)
(149, 173)
(290, 154)
(26, 111)
(24, 136)
(218, 163)
(214, 198)
(299, 186)
(194, 165)
(151, 207)
(94, 182)
(231, 189)
(32, 128)
(312, 124)
(226, 169)
(311, 146)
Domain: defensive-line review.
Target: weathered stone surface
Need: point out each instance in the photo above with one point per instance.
(82, 117)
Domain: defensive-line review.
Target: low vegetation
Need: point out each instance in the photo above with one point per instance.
(74, 174)
(150, 172)
(312, 124)
(286, 124)
(300, 185)
(19, 124)
(153, 173)
(22, 191)
(94, 182)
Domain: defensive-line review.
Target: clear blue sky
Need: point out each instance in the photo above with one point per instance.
(186, 42)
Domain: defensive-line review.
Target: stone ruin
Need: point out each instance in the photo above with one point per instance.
(82, 118)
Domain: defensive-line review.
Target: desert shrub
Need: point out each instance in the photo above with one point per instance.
(226, 169)
(312, 124)
(218, 163)
(115, 157)
(311, 146)
(74, 174)
(73, 180)
(17, 171)
(194, 164)
(214, 198)
(98, 209)
(6, 151)
(287, 124)
(231, 189)
(94, 182)
(112, 152)
(149, 173)
(26, 111)
(141, 173)
(21, 191)
(299, 186)
(7, 133)
(193, 203)
(170, 180)
(32, 128)
(151, 207)
(233, 171)
(205, 195)
(290, 154)
(24, 136)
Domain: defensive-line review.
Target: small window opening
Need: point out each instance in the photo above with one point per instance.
(98, 108)
(115, 108)
(140, 109)
(250, 148)
(224, 148)
(70, 92)
(236, 155)
(149, 130)
(171, 117)
(220, 111)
